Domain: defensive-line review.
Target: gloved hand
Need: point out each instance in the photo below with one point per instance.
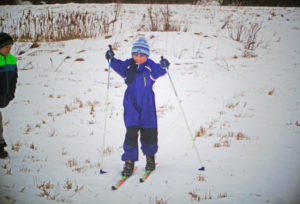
(109, 54)
(164, 63)
(130, 73)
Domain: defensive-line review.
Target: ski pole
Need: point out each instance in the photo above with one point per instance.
(105, 115)
(202, 168)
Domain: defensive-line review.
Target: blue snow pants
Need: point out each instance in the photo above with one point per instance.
(148, 138)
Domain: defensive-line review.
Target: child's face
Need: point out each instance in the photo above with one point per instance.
(139, 59)
(5, 50)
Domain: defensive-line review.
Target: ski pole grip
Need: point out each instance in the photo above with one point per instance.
(162, 58)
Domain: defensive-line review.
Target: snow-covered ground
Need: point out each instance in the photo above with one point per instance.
(245, 111)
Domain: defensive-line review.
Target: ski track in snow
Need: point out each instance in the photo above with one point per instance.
(245, 110)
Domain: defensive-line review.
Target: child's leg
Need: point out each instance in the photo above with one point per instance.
(2, 141)
(3, 153)
(149, 141)
(131, 144)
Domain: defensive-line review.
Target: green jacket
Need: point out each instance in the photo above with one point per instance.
(8, 79)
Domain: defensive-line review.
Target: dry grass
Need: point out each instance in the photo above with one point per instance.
(207, 196)
(45, 185)
(79, 60)
(69, 24)
(177, 52)
(240, 136)
(6, 123)
(201, 132)
(92, 111)
(75, 104)
(5, 166)
(63, 152)
(225, 143)
(23, 190)
(8, 172)
(201, 178)
(160, 201)
(160, 20)
(224, 140)
(222, 195)
(270, 93)
(163, 109)
(232, 105)
(198, 197)
(199, 34)
(33, 147)
(107, 36)
(77, 189)
(108, 150)
(35, 45)
(67, 109)
(52, 133)
(28, 129)
(245, 33)
(68, 185)
(71, 163)
(46, 194)
(92, 122)
(79, 167)
(16, 147)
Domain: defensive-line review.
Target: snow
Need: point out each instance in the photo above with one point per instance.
(250, 139)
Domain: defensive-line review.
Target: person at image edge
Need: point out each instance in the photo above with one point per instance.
(8, 81)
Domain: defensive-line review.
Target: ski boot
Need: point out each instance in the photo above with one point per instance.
(150, 166)
(128, 168)
(3, 153)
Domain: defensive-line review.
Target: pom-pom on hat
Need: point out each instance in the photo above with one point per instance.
(140, 47)
(5, 39)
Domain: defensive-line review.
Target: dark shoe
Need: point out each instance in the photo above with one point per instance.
(128, 168)
(150, 166)
(3, 153)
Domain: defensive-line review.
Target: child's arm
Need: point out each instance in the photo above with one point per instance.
(120, 66)
(156, 70)
(13, 84)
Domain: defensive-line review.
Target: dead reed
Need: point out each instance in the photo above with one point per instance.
(52, 25)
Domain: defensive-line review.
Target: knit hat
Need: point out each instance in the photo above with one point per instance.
(5, 39)
(140, 47)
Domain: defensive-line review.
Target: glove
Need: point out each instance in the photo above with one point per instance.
(164, 63)
(109, 54)
(130, 73)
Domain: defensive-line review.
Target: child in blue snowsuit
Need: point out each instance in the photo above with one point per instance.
(139, 73)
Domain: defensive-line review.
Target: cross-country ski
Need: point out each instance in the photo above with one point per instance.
(121, 181)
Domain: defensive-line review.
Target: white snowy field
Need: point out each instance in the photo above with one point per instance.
(245, 112)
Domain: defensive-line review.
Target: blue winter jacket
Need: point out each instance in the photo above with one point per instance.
(139, 99)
